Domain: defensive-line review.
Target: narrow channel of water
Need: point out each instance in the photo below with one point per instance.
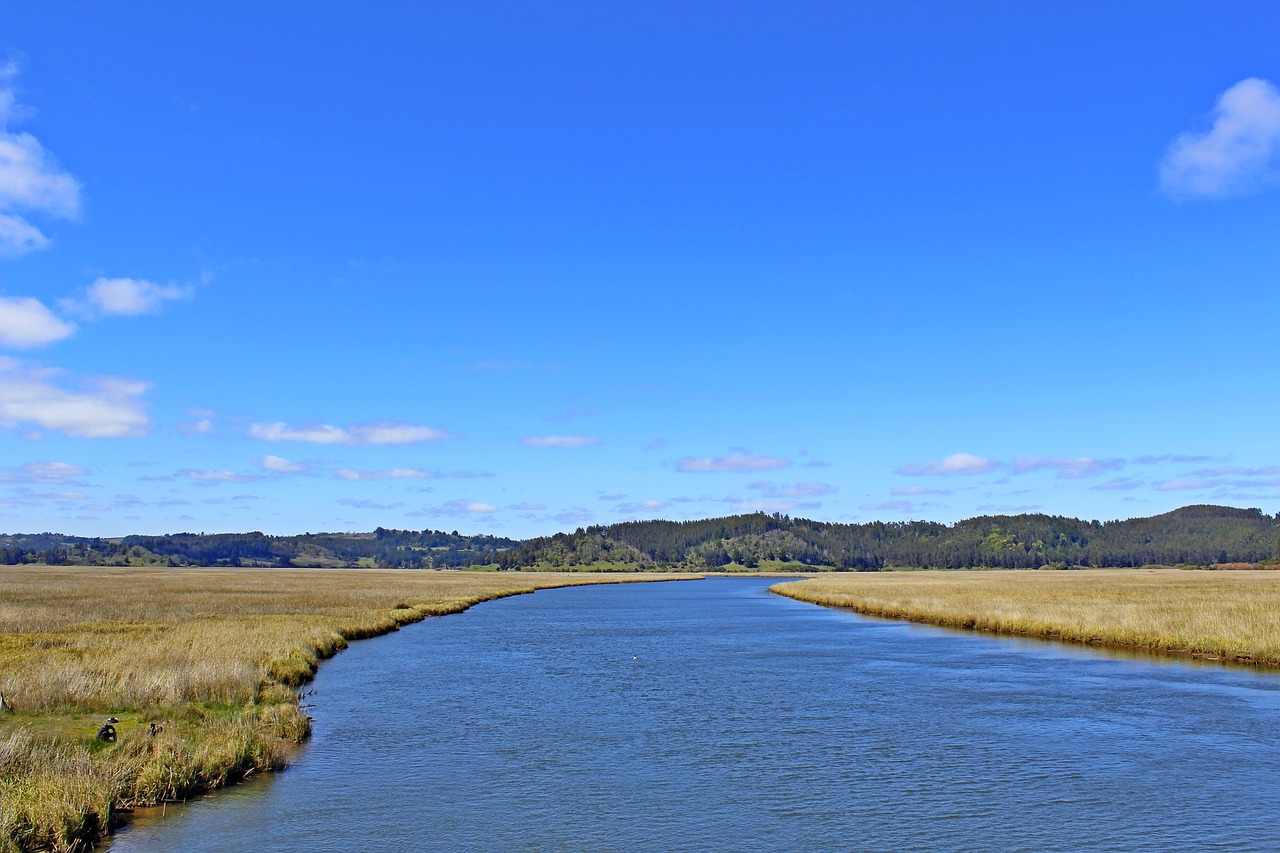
(714, 716)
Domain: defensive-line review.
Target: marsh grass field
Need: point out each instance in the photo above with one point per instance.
(1219, 615)
(215, 657)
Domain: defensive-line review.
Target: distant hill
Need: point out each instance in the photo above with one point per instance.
(382, 548)
(1196, 535)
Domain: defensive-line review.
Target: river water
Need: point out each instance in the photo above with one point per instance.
(715, 716)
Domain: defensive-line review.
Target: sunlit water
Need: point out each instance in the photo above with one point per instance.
(713, 715)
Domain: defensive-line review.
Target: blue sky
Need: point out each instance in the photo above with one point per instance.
(516, 268)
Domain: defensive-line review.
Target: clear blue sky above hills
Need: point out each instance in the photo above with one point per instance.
(516, 267)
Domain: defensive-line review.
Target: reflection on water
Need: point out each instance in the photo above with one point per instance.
(715, 716)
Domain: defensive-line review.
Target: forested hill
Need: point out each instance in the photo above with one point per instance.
(1198, 535)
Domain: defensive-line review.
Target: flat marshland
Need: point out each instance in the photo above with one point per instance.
(214, 657)
(1220, 615)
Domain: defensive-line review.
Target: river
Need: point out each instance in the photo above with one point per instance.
(715, 716)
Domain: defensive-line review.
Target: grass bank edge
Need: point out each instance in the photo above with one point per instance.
(1214, 615)
(61, 791)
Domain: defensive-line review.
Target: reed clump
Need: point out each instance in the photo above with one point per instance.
(1219, 615)
(213, 657)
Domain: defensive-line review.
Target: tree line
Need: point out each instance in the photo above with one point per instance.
(1195, 535)
(1199, 535)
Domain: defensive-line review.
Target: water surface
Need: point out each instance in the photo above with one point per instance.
(714, 716)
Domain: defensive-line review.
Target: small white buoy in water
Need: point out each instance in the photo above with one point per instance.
(633, 657)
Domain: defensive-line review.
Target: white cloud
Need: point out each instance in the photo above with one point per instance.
(480, 506)
(105, 407)
(956, 463)
(127, 297)
(377, 433)
(30, 180)
(1238, 154)
(277, 465)
(28, 323)
(729, 462)
(558, 441)
(56, 473)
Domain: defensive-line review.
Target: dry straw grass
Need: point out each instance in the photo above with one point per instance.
(1230, 616)
(213, 655)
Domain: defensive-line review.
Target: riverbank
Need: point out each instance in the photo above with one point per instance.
(213, 657)
(1219, 615)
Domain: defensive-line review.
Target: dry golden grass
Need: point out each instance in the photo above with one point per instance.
(1230, 616)
(211, 654)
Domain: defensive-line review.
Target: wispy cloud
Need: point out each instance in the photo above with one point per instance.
(103, 407)
(1234, 470)
(30, 180)
(800, 491)
(763, 505)
(1156, 459)
(741, 462)
(1008, 507)
(498, 365)
(912, 491)
(559, 441)
(641, 506)
(217, 476)
(53, 473)
(1068, 469)
(203, 426)
(956, 463)
(458, 508)
(358, 475)
(26, 323)
(893, 506)
(354, 475)
(30, 498)
(1187, 485)
(573, 516)
(1239, 153)
(375, 433)
(1119, 484)
(368, 504)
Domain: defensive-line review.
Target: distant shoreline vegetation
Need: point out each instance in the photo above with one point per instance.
(1200, 535)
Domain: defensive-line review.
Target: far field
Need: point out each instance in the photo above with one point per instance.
(1219, 615)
